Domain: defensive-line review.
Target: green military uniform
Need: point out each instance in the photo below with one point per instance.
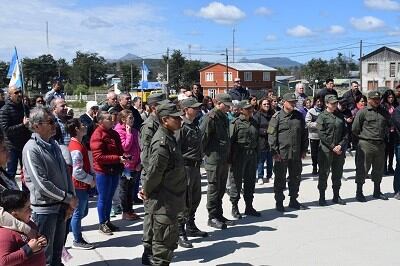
(244, 148)
(165, 188)
(189, 139)
(332, 132)
(149, 128)
(370, 126)
(287, 137)
(216, 145)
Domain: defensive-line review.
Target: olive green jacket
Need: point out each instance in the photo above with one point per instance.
(147, 132)
(332, 130)
(287, 135)
(216, 142)
(165, 183)
(244, 136)
(371, 124)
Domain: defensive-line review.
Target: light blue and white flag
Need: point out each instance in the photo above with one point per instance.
(14, 72)
(145, 73)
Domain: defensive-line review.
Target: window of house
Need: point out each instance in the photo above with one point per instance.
(248, 76)
(229, 76)
(212, 93)
(388, 84)
(266, 76)
(209, 76)
(372, 84)
(392, 70)
(372, 67)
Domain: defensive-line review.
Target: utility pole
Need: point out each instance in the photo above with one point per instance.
(131, 77)
(90, 77)
(361, 66)
(227, 75)
(233, 46)
(190, 52)
(47, 38)
(167, 89)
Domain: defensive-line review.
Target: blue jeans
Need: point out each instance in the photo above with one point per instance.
(264, 156)
(53, 227)
(12, 164)
(106, 186)
(79, 213)
(396, 178)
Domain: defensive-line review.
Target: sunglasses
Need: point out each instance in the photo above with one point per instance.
(50, 122)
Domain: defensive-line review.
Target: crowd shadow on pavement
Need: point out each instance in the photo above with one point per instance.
(215, 251)
(125, 226)
(235, 264)
(131, 240)
(117, 262)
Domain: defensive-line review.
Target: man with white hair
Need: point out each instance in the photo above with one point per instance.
(14, 124)
(112, 101)
(301, 98)
(89, 119)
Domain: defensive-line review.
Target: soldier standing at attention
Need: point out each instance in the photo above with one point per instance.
(216, 145)
(370, 126)
(147, 132)
(244, 142)
(165, 185)
(189, 139)
(332, 132)
(287, 137)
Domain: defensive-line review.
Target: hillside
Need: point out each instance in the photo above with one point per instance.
(282, 62)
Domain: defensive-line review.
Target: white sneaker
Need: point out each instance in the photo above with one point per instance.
(260, 181)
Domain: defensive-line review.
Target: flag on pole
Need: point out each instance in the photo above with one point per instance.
(14, 72)
(145, 73)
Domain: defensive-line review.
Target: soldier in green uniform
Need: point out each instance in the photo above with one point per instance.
(287, 137)
(216, 145)
(332, 132)
(165, 185)
(189, 139)
(244, 149)
(370, 126)
(147, 132)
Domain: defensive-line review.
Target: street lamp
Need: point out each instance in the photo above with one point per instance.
(227, 74)
(315, 87)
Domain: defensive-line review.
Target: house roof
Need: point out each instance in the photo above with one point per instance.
(392, 49)
(244, 67)
(281, 78)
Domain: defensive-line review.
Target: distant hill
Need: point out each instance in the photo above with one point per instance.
(127, 57)
(275, 62)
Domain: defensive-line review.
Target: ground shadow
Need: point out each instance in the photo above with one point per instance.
(121, 262)
(124, 226)
(215, 251)
(131, 240)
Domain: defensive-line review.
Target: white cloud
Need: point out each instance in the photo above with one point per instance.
(336, 29)
(111, 31)
(367, 23)
(270, 38)
(263, 11)
(220, 13)
(299, 31)
(394, 32)
(383, 4)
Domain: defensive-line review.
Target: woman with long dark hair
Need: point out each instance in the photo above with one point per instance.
(389, 102)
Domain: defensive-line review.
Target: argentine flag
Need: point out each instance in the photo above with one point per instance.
(145, 73)
(14, 72)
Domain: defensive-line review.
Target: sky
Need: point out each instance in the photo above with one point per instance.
(300, 30)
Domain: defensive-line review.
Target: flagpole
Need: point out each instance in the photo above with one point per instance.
(22, 80)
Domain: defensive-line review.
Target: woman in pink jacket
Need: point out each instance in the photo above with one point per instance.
(130, 144)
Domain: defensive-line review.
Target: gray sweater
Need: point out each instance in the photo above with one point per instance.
(46, 175)
(311, 118)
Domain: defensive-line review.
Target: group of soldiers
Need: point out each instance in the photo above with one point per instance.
(174, 145)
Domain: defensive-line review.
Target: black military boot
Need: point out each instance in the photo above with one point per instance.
(293, 203)
(216, 223)
(337, 199)
(251, 211)
(193, 231)
(183, 241)
(235, 212)
(315, 170)
(147, 257)
(279, 206)
(377, 192)
(322, 201)
(359, 193)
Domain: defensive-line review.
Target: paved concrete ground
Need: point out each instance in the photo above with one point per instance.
(355, 234)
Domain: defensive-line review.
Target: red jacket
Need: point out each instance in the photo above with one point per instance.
(14, 248)
(82, 164)
(107, 149)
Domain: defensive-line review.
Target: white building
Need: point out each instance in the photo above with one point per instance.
(381, 68)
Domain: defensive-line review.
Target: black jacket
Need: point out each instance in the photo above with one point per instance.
(90, 126)
(262, 119)
(239, 94)
(351, 98)
(15, 132)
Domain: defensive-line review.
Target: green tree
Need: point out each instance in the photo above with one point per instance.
(89, 69)
(125, 69)
(191, 72)
(38, 72)
(317, 69)
(176, 67)
(3, 74)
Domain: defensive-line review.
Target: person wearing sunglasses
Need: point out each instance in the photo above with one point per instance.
(238, 92)
(14, 123)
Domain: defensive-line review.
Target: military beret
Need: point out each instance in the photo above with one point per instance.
(244, 104)
(374, 94)
(225, 98)
(330, 98)
(190, 103)
(156, 98)
(290, 97)
(168, 109)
